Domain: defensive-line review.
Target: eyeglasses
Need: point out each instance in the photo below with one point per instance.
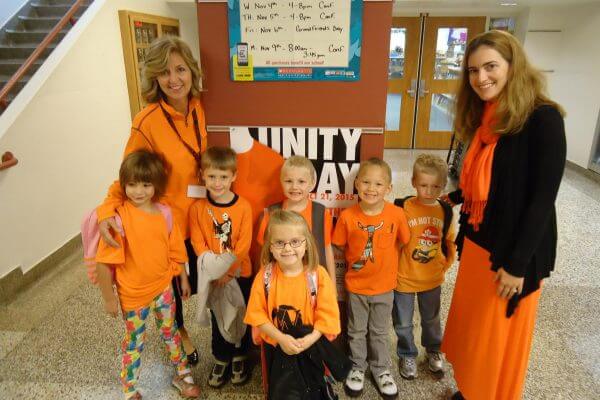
(294, 243)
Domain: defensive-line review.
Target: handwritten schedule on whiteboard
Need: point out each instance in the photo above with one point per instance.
(295, 40)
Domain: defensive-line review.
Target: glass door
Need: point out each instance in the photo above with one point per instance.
(426, 54)
(402, 82)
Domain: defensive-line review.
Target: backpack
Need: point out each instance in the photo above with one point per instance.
(318, 219)
(447, 219)
(90, 236)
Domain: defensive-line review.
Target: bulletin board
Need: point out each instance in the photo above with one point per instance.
(295, 40)
(355, 104)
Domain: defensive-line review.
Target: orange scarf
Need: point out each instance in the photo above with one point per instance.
(477, 168)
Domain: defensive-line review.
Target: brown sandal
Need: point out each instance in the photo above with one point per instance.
(186, 386)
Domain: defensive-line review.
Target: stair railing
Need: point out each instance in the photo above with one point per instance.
(67, 18)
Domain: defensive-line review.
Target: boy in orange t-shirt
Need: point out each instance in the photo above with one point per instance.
(423, 263)
(148, 257)
(222, 223)
(371, 232)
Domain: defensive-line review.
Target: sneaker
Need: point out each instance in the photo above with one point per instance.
(386, 385)
(239, 373)
(186, 386)
(408, 367)
(435, 361)
(355, 383)
(218, 374)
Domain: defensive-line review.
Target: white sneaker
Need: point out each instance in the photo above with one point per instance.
(408, 368)
(355, 383)
(435, 361)
(386, 385)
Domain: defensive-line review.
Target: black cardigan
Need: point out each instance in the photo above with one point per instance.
(519, 222)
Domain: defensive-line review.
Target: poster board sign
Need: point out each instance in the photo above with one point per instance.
(335, 154)
(294, 40)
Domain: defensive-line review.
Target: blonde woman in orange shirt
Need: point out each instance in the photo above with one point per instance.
(173, 125)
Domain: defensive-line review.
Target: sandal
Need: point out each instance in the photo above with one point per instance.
(135, 396)
(186, 386)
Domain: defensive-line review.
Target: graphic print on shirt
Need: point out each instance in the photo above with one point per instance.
(222, 231)
(367, 254)
(427, 245)
(286, 318)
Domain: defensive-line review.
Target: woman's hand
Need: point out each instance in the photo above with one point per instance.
(186, 289)
(446, 199)
(289, 345)
(508, 285)
(104, 227)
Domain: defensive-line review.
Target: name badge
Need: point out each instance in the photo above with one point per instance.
(196, 191)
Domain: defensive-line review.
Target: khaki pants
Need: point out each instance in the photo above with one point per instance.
(370, 314)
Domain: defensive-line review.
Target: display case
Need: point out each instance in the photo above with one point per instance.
(137, 32)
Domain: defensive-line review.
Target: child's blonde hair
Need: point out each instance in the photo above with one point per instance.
(285, 217)
(299, 162)
(219, 157)
(375, 162)
(144, 166)
(432, 165)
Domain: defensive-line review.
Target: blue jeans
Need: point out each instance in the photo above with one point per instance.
(402, 315)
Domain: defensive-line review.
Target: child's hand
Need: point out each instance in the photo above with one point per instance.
(111, 306)
(186, 289)
(222, 281)
(290, 345)
(308, 340)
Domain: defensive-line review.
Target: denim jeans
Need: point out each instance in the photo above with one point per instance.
(402, 315)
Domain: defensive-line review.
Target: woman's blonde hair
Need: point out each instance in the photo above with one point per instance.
(156, 61)
(524, 91)
(285, 217)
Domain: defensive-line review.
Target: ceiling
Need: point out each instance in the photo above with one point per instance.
(432, 4)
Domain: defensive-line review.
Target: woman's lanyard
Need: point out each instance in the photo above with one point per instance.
(194, 153)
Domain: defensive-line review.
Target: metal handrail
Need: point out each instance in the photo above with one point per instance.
(8, 160)
(68, 17)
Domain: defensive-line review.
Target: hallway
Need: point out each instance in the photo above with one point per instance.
(56, 343)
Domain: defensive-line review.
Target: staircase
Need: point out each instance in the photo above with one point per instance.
(23, 33)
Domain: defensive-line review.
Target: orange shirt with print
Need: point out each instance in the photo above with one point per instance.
(205, 236)
(292, 291)
(371, 247)
(147, 259)
(151, 130)
(307, 214)
(422, 263)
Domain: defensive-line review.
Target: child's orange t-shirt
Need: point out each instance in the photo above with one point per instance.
(289, 296)
(422, 263)
(216, 227)
(371, 247)
(147, 259)
(307, 214)
(150, 130)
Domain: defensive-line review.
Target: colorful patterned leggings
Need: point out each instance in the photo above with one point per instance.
(132, 346)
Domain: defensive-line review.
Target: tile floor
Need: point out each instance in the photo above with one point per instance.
(55, 342)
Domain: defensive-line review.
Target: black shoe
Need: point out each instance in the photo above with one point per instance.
(457, 396)
(193, 358)
(219, 374)
(239, 371)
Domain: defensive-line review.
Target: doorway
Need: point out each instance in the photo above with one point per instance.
(425, 60)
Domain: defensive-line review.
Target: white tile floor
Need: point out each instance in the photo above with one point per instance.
(55, 342)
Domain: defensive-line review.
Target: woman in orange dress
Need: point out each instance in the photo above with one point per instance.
(507, 241)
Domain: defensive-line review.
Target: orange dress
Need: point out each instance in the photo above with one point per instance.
(488, 352)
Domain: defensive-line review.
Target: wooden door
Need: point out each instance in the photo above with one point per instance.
(444, 43)
(405, 38)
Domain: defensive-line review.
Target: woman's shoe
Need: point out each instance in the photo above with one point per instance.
(193, 358)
